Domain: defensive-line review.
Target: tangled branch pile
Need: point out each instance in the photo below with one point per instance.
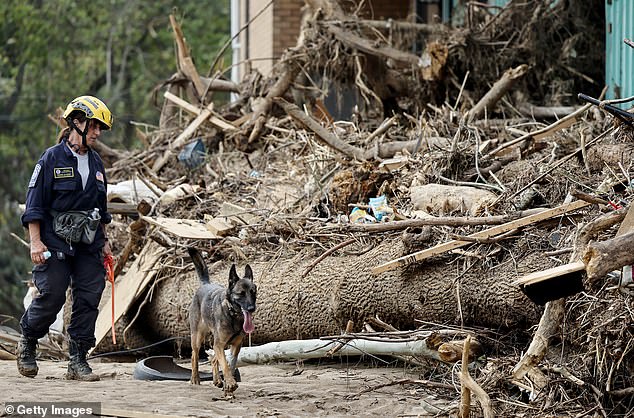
(477, 107)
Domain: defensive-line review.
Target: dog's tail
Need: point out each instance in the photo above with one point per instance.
(199, 263)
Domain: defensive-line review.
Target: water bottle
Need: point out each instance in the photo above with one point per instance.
(90, 230)
(94, 219)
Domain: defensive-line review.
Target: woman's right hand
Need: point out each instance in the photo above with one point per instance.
(37, 252)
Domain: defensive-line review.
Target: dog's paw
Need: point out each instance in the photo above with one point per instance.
(218, 382)
(230, 386)
(195, 380)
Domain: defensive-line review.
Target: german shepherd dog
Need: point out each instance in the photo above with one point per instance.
(227, 313)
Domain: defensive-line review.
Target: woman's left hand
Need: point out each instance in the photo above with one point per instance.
(106, 249)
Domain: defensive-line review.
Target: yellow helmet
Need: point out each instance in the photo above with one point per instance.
(92, 107)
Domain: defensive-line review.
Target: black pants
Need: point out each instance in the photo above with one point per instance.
(85, 274)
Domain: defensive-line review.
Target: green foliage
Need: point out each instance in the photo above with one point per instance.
(53, 51)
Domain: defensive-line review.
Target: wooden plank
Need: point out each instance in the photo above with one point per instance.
(487, 233)
(191, 128)
(628, 222)
(183, 228)
(128, 288)
(182, 103)
(550, 273)
(218, 226)
(237, 214)
(202, 116)
(538, 276)
(214, 118)
(544, 132)
(122, 208)
(183, 137)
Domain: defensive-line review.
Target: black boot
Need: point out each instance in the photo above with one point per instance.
(26, 357)
(78, 368)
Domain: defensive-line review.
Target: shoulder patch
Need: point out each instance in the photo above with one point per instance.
(99, 176)
(35, 175)
(63, 172)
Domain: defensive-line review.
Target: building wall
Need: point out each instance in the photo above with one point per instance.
(287, 21)
(258, 45)
(619, 59)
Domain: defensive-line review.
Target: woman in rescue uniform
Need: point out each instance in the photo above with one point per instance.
(69, 176)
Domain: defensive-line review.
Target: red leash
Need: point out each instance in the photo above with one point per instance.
(108, 263)
(614, 205)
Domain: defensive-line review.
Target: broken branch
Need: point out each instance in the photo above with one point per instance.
(322, 133)
(499, 89)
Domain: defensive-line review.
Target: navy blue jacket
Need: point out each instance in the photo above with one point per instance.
(56, 184)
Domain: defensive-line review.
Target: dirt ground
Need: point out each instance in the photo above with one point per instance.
(271, 390)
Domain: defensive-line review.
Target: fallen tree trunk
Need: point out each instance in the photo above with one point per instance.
(341, 288)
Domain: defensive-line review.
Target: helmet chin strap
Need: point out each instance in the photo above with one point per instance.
(83, 134)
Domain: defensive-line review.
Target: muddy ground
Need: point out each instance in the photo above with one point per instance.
(272, 390)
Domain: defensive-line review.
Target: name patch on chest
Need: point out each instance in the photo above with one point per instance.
(63, 172)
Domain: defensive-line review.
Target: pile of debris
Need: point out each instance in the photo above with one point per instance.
(480, 184)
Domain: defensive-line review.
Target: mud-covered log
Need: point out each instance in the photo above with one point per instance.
(609, 154)
(339, 289)
(604, 256)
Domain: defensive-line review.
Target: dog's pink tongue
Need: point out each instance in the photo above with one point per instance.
(248, 322)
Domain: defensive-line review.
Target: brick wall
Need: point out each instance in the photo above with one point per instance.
(287, 20)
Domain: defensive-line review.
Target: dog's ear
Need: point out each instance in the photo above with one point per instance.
(233, 276)
(248, 273)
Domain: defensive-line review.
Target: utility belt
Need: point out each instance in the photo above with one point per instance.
(76, 226)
